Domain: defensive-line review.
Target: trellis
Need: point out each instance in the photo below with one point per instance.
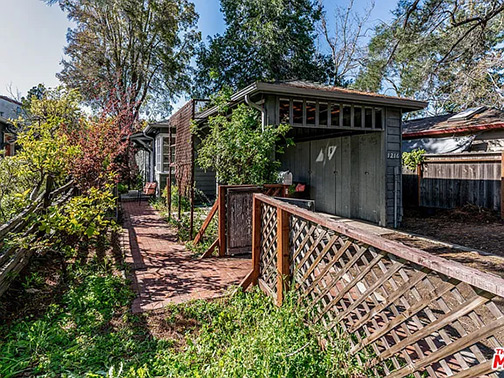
(405, 311)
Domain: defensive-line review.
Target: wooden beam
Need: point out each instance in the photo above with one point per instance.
(454, 269)
(282, 254)
(256, 239)
(247, 281)
(222, 220)
(210, 249)
(207, 221)
(502, 185)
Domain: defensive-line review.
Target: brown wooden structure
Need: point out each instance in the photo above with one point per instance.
(447, 181)
(406, 312)
(234, 210)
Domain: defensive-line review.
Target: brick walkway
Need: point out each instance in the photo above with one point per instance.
(163, 271)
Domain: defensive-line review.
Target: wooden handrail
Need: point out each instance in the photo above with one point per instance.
(453, 269)
(207, 221)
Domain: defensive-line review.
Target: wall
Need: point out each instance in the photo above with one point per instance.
(9, 109)
(352, 176)
(343, 174)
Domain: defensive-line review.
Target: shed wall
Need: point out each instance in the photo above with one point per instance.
(353, 176)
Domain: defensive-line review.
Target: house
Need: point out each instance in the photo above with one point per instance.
(347, 144)
(9, 109)
(167, 154)
(473, 130)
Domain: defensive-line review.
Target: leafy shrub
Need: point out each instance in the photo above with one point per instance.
(413, 159)
(237, 148)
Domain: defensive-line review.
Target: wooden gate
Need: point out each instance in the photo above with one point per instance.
(239, 219)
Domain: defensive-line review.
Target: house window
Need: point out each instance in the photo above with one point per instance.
(378, 118)
(368, 118)
(335, 114)
(284, 110)
(347, 115)
(311, 111)
(357, 116)
(166, 154)
(297, 112)
(323, 109)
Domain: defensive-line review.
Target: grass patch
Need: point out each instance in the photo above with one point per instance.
(90, 332)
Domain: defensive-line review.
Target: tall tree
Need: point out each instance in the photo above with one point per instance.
(132, 53)
(446, 51)
(264, 40)
(345, 39)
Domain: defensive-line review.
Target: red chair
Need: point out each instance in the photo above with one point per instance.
(148, 190)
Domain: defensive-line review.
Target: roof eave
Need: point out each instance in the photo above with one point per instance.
(406, 105)
(452, 132)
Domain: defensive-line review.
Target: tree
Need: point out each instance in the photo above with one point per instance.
(432, 47)
(267, 40)
(133, 54)
(346, 41)
(238, 149)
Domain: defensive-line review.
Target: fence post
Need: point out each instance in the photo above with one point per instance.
(48, 189)
(222, 220)
(282, 254)
(502, 186)
(256, 238)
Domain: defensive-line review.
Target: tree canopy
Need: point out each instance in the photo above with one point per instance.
(446, 51)
(264, 40)
(132, 53)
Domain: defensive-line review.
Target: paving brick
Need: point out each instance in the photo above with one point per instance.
(163, 270)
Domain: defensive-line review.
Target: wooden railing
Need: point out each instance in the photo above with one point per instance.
(405, 311)
(13, 259)
(221, 210)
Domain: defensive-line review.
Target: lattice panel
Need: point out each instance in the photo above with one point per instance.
(404, 319)
(268, 255)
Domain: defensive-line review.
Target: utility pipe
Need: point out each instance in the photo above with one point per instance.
(252, 104)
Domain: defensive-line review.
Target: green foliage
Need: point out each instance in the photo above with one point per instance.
(83, 215)
(447, 52)
(238, 149)
(91, 332)
(129, 54)
(264, 40)
(412, 159)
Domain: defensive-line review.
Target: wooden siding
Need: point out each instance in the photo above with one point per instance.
(453, 180)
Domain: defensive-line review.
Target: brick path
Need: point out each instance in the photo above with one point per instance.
(163, 271)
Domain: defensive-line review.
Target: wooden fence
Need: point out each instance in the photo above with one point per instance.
(406, 312)
(13, 259)
(453, 180)
(233, 208)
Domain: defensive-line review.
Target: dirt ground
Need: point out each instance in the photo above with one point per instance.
(469, 226)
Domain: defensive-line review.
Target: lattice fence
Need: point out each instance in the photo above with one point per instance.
(407, 313)
(268, 257)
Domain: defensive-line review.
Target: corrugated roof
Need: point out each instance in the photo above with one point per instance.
(439, 126)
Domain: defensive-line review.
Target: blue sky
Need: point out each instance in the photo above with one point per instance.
(32, 37)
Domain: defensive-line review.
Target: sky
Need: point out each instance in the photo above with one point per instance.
(33, 35)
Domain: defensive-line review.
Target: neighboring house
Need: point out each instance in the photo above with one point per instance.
(348, 144)
(9, 109)
(473, 130)
(162, 159)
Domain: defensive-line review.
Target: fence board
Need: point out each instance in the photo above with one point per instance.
(454, 180)
(405, 311)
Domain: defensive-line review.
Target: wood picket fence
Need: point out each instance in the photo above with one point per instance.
(406, 312)
(14, 258)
